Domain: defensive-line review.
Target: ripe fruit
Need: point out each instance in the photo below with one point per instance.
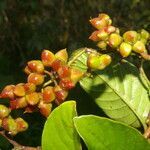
(4, 111)
(62, 55)
(130, 37)
(36, 78)
(57, 64)
(32, 98)
(48, 94)
(21, 125)
(139, 47)
(8, 92)
(125, 49)
(114, 40)
(47, 57)
(63, 71)
(66, 84)
(36, 66)
(45, 109)
(29, 88)
(19, 90)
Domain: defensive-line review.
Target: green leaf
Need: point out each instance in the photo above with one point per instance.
(118, 90)
(59, 131)
(104, 134)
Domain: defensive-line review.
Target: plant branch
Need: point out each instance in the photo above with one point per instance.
(17, 145)
(145, 56)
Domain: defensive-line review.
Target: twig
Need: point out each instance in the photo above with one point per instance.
(16, 145)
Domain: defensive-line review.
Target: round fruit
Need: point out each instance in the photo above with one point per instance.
(125, 49)
(36, 78)
(4, 111)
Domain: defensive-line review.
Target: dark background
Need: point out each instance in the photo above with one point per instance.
(28, 26)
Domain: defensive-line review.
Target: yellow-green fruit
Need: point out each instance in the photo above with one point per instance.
(62, 55)
(130, 37)
(22, 125)
(103, 35)
(93, 61)
(102, 45)
(125, 49)
(114, 40)
(105, 60)
(139, 47)
(0, 123)
(144, 34)
(4, 111)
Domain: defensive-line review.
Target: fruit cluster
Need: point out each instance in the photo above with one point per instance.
(108, 35)
(49, 80)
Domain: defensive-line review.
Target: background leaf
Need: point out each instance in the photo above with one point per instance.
(101, 133)
(59, 131)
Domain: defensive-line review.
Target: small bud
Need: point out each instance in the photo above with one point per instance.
(21, 125)
(62, 55)
(48, 94)
(45, 109)
(114, 40)
(4, 111)
(8, 92)
(130, 37)
(32, 98)
(125, 49)
(36, 66)
(102, 45)
(139, 47)
(19, 90)
(47, 57)
(36, 78)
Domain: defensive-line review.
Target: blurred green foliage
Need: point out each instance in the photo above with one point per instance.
(28, 26)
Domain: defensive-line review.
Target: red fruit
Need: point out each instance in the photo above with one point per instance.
(36, 66)
(45, 109)
(63, 72)
(32, 98)
(21, 125)
(47, 57)
(19, 90)
(36, 78)
(66, 84)
(48, 94)
(57, 64)
(8, 92)
(60, 94)
(29, 88)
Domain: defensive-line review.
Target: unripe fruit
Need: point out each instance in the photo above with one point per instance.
(47, 57)
(10, 125)
(48, 94)
(57, 64)
(63, 71)
(21, 102)
(62, 55)
(36, 66)
(102, 45)
(60, 94)
(8, 92)
(125, 49)
(66, 84)
(139, 47)
(103, 35)
(94, 36)
(22, 125)
(105, 17)
(114, 40)
(130, 37)
(36, 78)
(29, 88)
(144, 34)
(93, 61)
(99, 23)
(110, 29)
(45, 109)
(76, 75)
(4, 111)
(32, 98)
(19, 90)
